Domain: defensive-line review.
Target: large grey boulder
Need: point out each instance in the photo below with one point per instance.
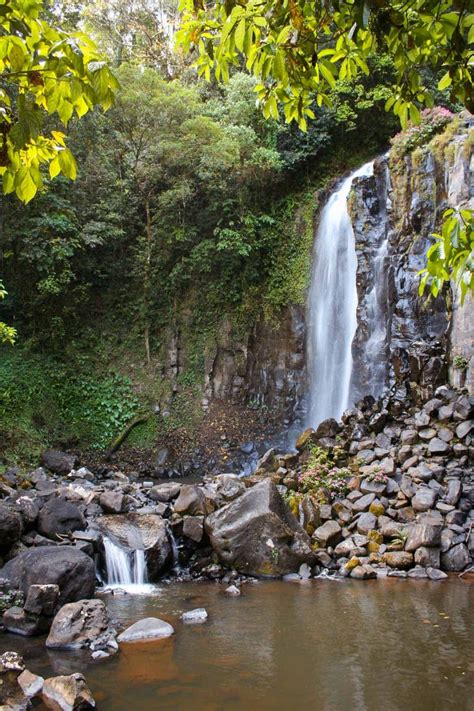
(10, 527)
(147, 629)
(78, 624)
(59, 462)
(258, 535)
(58, 518)
(146, 532)
(457, 558)
(72, 571)
(423, 534)
(424, 499)
(329, 534)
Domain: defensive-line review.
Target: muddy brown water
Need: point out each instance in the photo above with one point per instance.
(375, 646)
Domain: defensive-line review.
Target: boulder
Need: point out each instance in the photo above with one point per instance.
(12, 697)
(195, 616)
(427, 557)
(112, 501)
(229, 486)
(78, 624)
(67, 693)
(424, 499)
(423, 534)
(192, 501)
(401, 560)
(42, 599)
(329, 534)
(457, 558)
(146, 532)
(146, 629)
(363, 503)
(72, 571)
(363, 572)
(165, 492)
(327, 428)
(61, 517)
(30, 684)
(366, 522)
(10, 527)
(193, 528)
(17, 621)
(437, 446)
(436, 574)
(306, 438)
(59, 462)
(258, 535)
(28, 508)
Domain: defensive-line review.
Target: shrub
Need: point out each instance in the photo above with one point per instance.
(432, 121)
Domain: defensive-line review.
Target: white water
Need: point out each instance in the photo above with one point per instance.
(332, 306)
(374, 350)
(126, 569)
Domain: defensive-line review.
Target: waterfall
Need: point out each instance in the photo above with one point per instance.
(332, 306)
(375, 347)
(124, 567)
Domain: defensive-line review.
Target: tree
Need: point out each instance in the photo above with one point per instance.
(299, 50)
(44, 72)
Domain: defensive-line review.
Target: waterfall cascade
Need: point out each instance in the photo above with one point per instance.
(332, 306)
(124, 567)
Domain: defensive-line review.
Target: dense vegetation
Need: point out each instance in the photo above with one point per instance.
(188, 206)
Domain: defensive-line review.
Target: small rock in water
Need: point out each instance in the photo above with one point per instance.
(148, 628)
(435, 574)
(291, 577)
(193, 616)
(100, 654)
(232, 590)
(305, 571)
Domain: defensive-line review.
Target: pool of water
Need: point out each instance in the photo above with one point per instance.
(325, 645)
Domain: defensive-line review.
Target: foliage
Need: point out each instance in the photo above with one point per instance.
(322, 478)
(44, 71)
(432, 121)
(460, 362)
(44, 401)
(377, 477)
(7, 333)
(298, 49)
(451, 257)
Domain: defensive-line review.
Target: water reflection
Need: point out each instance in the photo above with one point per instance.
(388, 645)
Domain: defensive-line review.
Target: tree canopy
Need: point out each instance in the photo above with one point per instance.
(44, 72)
(298, 49)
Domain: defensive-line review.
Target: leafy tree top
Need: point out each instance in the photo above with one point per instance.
(44, 71)
(298, 49)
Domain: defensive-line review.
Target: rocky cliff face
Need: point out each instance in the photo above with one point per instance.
(402, 342)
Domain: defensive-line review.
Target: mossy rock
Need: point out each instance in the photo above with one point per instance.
(352, 563)
(377, 509)
(375, 536)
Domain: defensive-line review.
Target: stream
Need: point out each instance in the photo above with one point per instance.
(320, 644)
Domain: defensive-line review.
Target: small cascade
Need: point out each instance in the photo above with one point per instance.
(332, 306)
(124, 568)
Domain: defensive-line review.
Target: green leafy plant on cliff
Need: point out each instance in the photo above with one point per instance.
(451, 257)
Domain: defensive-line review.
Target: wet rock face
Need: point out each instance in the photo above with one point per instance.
(266, 368)
(258, 535)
